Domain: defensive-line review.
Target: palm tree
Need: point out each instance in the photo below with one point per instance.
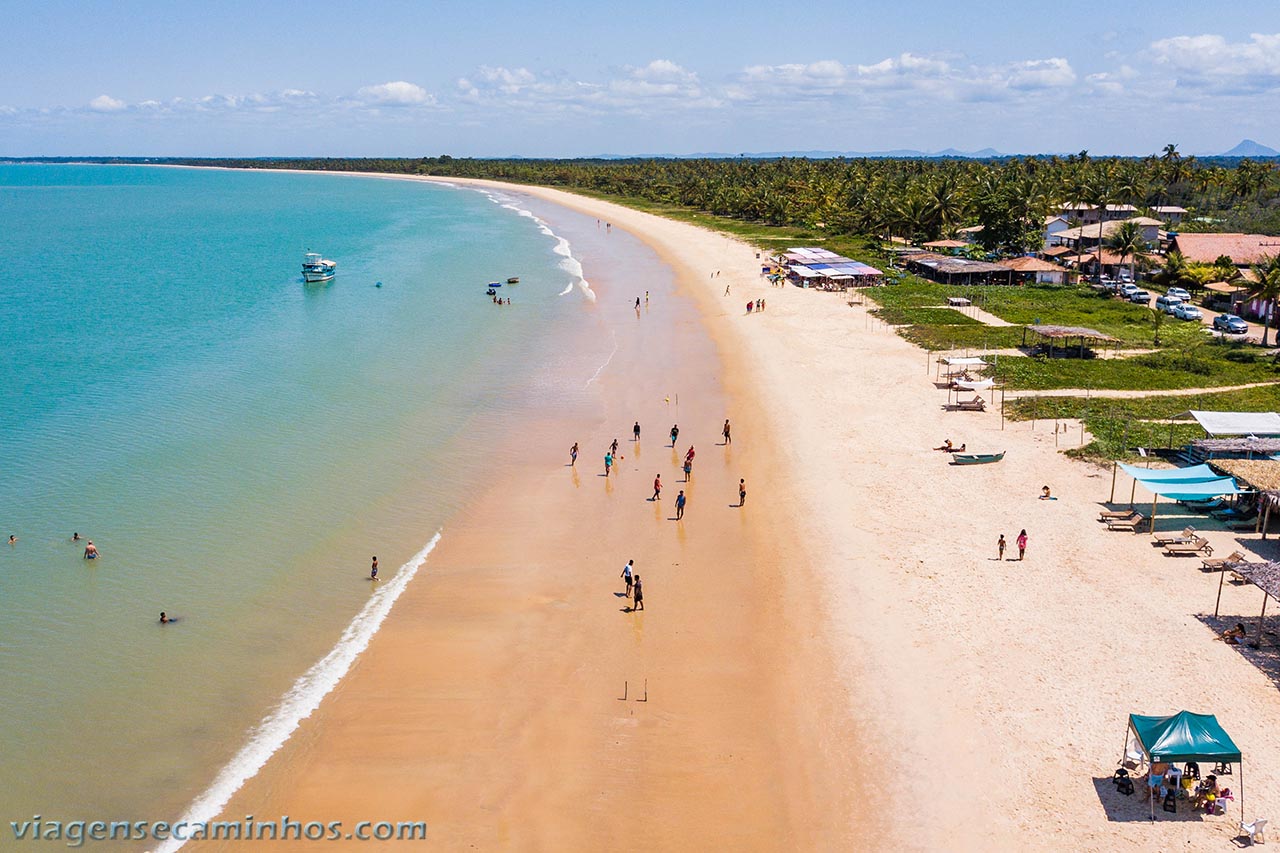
(1127, 242)
(1266, 289)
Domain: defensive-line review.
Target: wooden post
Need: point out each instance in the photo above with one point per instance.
(1222, 576)
(1154, 498)
(1267, 520)
(1115, 466)
(1257, 644)
(1132, 489)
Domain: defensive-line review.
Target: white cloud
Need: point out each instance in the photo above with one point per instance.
(106, 104)
(1212, 63)
(659, 84)
(395, 94)
(1036, 74)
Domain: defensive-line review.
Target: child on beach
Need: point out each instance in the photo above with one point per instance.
(742, 492)
(613, 448)
(373, 570)
(1000, 545)
(608, 463)
(1022, 544)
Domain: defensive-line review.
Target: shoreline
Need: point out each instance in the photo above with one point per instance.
(711, 738)
(910, 668)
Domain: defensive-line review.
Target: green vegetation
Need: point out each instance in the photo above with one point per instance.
(925, 316)
(1120, 425)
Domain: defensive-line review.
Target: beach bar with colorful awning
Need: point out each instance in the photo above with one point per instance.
(1187, 739)
(810, 265)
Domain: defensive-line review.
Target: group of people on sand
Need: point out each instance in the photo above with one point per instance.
(634, 587)
(948, 447)
(755, 305)
(1001, 544)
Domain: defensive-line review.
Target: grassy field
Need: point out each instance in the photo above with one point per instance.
(1120, 426)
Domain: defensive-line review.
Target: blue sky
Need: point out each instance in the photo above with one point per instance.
(567, 78)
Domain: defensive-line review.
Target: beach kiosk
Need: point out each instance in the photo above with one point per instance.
(1180, 738)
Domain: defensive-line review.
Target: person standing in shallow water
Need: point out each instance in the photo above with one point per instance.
(573, 454)
(675, 434)
(637, 595)
(657, 487)
(373, 570)
(635, 431)
(742, 492)
(728, 439)
(608, 463)
(680, 502)
(626, 575)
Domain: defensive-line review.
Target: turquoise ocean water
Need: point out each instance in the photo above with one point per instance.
(237, 444)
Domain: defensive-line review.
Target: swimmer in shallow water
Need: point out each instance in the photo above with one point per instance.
(90, 551)
(75, 537)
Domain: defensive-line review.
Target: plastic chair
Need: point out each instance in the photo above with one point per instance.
(1254, 831)
(1191, 770)
(1170, 803)
(1222, 768)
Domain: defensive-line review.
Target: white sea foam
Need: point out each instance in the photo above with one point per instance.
(303, 698)
(568, 262)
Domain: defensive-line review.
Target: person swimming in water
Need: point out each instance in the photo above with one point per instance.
(75, 537)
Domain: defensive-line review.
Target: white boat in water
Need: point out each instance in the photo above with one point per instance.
(316, 268)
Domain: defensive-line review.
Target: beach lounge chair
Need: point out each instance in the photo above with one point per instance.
(1233, 513)
(1219, 562)
(977, 404)
(1206, 506)
(1187, 534)
(1195, 546)
(1115, 513)
(1131, 522)
(1241, 523)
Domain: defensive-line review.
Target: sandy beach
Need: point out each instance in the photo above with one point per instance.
(841, 664)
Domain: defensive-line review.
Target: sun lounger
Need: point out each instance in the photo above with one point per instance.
(1195, 546)
(1233, 514)
(1131, 522)
(975, 405)
(1205, 506)
(1187, 534)
(1115, 513)
(1242, 523)
(1222, 562)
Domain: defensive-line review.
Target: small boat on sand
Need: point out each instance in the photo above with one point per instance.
(976, 458)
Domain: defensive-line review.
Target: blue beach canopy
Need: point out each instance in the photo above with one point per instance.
(1184, 737)
(1184, 491)
(1194, 474)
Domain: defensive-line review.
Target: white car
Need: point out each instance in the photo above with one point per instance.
(1187, 311)
(1180, 293)
(1167, 303)
(1127, 289)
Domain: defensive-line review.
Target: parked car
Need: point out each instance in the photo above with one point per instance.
(1231, 324)
(1180, 293)
(1126, 289)
(1187, 311)
(1141, 297)
(1167, 303)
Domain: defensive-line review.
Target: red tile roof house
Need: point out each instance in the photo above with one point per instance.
(1244, 250)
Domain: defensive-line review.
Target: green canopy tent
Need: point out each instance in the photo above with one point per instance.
(1183, 737)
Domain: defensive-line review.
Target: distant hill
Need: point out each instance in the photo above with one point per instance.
(1249, 148)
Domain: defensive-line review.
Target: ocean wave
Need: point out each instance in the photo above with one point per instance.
(568, 262)
(302, 699)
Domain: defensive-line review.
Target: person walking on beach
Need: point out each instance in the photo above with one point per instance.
(1022, 544)
(635, 431)
(688, 457)
(573, 454)
(613, 448)
(750, 305)
(688, 468)
(657, 487)
(637, 595)
(626, 575)
(680, 501)
(646, 297)
(727, 438)
(675, 433)
(608, 462)
(1000, 546)
(90, 551)
(726, 290)
(373, 570)
(637, 304)
(742, 492)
